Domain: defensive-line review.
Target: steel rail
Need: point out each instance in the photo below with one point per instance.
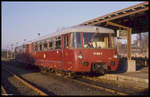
(98, 80)
(100, 87)
(97, 87)
(3, 91)
(27, 84)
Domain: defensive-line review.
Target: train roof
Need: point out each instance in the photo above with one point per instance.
(83, 28)
(78, 28)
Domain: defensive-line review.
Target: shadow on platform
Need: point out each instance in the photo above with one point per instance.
(122, 67)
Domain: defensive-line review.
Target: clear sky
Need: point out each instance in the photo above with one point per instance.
(23, 20)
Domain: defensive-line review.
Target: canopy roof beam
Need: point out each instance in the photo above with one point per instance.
(128, 38)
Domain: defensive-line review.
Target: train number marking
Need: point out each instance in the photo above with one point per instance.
(97, 53)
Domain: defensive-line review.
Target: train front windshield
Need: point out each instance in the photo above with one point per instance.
(92, 40)
(96, 40)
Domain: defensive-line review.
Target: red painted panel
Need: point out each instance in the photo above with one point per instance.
(68, 60)
(93, 56)
(51, 58)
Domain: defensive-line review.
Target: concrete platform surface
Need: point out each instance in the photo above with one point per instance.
(140, 76)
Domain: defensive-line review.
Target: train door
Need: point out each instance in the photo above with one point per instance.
(66, 50)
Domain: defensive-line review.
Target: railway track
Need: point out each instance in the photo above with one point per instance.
(88, 83)
(3, 91)
(111, 87)
(25, 83)
(117, 83)
(115, 92)
(101, 88)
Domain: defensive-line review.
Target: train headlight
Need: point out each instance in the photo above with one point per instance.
(80, 57)
(115, 56)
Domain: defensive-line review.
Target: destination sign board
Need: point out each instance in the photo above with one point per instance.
(122, 34)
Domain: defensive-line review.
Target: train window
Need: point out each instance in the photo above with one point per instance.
(66, 41)
(50, 44)
(71, 36)
(45, 45)
(58, 44)
(76, 43)
(58, 38)
(73, 40)
(42, 43)
(78, 39)
(54, 42)
(40, 48)
(36, 47)
(32, 46)
(95, 40)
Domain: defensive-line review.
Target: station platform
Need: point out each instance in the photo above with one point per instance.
(139, 78)
(139, 75)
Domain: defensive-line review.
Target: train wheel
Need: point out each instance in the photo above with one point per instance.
(43, 70)
(51, 70)
(102, 71)
(58, 73)
(69, 75)
(66, 74)
(63, 73)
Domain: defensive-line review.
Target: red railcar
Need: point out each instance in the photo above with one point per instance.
(75, 49)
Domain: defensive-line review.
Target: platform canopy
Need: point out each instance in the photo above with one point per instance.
(135, 17)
